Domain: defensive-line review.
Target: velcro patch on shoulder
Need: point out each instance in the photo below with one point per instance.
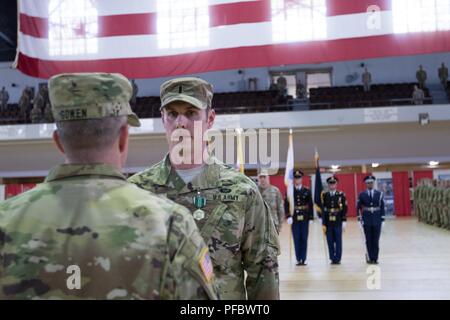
(206, 264)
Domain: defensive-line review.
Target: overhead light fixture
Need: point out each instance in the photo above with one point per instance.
(335, 167)
(375, 165)
(432, 164)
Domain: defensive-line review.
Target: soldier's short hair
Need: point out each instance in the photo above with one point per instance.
(79, 136)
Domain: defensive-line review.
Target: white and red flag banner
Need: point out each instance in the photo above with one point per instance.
(156, 38)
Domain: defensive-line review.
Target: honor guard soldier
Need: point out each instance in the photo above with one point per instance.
(334, 217)
(370, 209)
(302, 216)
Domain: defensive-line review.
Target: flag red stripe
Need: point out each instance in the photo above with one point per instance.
(240, 12)
(341, 7)
(248, 57)
(34, 26)
(146, 23)
(108, 26)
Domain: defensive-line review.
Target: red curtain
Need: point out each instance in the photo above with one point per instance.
(347, 185)
(12, 190)
(360, 184)
(419, 175)
(402, 200)
(278, 181)
(28, 186)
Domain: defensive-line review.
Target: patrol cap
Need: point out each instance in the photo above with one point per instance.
(263, 172)
(332, 179)
(298, 174)
(83, 96)
(194, 91)
(369, 179)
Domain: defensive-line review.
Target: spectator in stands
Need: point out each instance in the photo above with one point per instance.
(300, 90)
(418, 95)
(4, 98)
(48, 115)
(36, 114)
(443, 75)
(282, 85)
(273, 88)
(135, 92)
(421, 76)
(40, 101)
(367, 80)
(24, 103)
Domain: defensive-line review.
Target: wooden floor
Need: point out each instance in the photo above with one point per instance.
(414, 264)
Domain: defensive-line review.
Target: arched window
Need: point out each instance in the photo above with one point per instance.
(299, 20)
(182, 24)
(73, 27)
(420, 15)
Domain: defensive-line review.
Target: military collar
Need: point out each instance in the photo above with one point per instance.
(209, 178)
(77, 170)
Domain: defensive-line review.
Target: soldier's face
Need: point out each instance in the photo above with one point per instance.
(182, 115)
(369, 185)
(263, 181)
(332, 186)
(298, 181)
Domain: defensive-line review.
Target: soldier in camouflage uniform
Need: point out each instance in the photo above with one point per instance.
(272, 196)
(36, 115)
(24, 103)
(228, 208)
(48, 115)
(86, 233)
(447, 205)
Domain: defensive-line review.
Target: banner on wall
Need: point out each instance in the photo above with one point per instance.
(159, 38)
(2, 192)
(386, 186)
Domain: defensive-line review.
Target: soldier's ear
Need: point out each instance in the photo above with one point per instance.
(211, 114)
(58, 143)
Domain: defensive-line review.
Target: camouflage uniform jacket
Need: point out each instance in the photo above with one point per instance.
(237, 225)
(126, 242)
(272, 196)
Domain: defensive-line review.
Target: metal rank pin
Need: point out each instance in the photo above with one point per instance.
(199, 202)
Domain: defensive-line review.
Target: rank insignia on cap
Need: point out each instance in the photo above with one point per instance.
(206, 264)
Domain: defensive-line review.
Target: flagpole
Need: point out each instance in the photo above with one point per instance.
(288, 181)
(318, 208)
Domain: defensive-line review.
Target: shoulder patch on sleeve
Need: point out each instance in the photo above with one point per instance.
(206, 264)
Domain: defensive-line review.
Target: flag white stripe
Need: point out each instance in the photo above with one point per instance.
(222, 37)
(39, 8)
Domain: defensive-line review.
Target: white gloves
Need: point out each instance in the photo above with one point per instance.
(320, 221)
(344, 225)
(290, 220)
(382, 224)
(311, 222)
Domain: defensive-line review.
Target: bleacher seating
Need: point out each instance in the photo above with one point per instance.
(355, 97)
(267, 101)
(10, 115)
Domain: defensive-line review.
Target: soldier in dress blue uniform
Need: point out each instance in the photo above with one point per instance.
(303, 215)
(370, 208)
(334, 217)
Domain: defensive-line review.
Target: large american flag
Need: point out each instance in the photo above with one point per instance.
(156, 38)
